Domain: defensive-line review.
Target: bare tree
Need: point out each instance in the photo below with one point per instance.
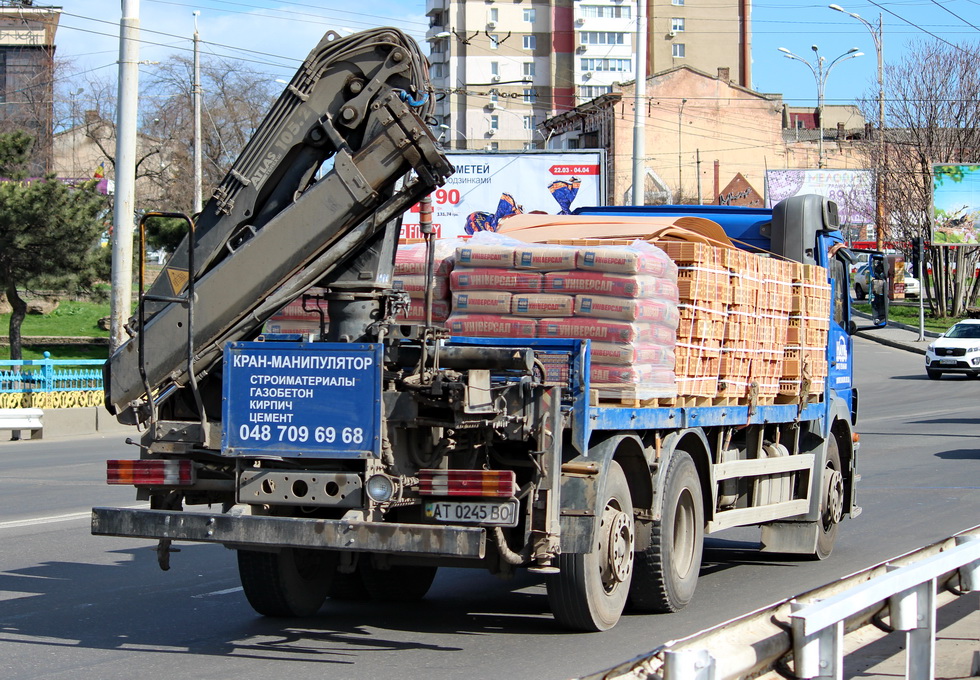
(932, 117)
(235, 100)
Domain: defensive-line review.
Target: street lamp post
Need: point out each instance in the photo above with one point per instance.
(876, 35)
(820, 74)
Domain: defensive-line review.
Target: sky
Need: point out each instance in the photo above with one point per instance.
(275, 35)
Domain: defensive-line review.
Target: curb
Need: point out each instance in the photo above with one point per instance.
(881, 340)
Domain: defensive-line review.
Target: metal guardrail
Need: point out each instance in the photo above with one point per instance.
(50, 383)
(810, 628)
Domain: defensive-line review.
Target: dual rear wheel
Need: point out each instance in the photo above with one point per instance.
(592, 589)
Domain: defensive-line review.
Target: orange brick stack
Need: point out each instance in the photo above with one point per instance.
(775, 300)
(740, 343)
(704, 292)
(809, 324)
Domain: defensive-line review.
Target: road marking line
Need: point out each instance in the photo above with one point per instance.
(226, 591)
(35, 521)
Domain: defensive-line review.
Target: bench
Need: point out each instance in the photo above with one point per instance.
(19, 419)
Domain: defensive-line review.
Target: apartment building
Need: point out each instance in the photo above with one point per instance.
(501, 68)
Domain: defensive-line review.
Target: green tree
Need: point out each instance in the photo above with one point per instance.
(49, 233)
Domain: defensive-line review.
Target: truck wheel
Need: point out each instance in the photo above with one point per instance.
(589, 593)
(831, 501)
(667, 571)
(400, 583)
(289, 583)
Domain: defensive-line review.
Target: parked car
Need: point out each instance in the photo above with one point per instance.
(957, 351)
(861, 283)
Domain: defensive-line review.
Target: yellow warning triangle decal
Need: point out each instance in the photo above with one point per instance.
(178, 279)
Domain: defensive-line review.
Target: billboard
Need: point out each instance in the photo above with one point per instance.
(852, 190)
(956, 204)
(489, 186)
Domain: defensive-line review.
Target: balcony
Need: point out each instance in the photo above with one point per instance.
(433, 6)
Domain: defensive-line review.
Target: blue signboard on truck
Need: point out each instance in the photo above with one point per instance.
(302, 399)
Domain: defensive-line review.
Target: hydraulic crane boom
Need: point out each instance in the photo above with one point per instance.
(272, 228)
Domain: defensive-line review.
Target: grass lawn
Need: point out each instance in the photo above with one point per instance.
(71, 318)
(67, 352)
(78, 319)
(909, 315)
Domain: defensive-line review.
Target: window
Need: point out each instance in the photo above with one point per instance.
(494, 15)
(528, 122)
(530, 42)
(437, 71)
(677, 50)
(677, 2)
(528, 69)
(494, 96)
(529, 15)
(528, 146)
(529, 96)
(494, 41)
(495, 68)
(493, 146)
(677, 25)
(606, 12)
(602, 38)
(494, 122)
(586, 92)
(616, 65)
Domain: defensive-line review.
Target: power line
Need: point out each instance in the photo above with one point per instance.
(946, 9)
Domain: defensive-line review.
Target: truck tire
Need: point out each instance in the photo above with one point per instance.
(290, 583)
(831, 501)
(667, 571)
(400, 583)
(590, 590)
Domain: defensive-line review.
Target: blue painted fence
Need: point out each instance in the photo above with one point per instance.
(50, 375)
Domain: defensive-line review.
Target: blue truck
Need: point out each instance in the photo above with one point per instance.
(355, 463)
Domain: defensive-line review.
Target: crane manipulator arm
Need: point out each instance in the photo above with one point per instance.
(272, 229)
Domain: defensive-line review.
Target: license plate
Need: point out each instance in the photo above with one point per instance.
(947, 361)
(468, 512)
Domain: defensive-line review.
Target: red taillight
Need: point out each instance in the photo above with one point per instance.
(493, 483)
(150, 472)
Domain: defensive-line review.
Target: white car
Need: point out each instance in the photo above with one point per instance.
(912, 288)
(957, 351)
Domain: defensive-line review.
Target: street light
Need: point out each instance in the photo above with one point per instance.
(820, 74)
(876, 35)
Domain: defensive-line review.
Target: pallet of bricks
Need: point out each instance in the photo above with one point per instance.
(750, 325)
(805, 360)
(622, 298)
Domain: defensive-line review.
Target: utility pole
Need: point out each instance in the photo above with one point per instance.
(640, 106)
(700, 201)
(820, 75)
(680, 171)
(198, 175)
(125, 165)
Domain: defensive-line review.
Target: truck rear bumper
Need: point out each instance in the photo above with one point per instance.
(274, 532)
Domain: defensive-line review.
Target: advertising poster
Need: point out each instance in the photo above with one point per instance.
(852, 190)
(488, 187)
(956, 204)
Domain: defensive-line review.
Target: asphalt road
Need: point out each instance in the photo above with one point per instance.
(78, 607)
